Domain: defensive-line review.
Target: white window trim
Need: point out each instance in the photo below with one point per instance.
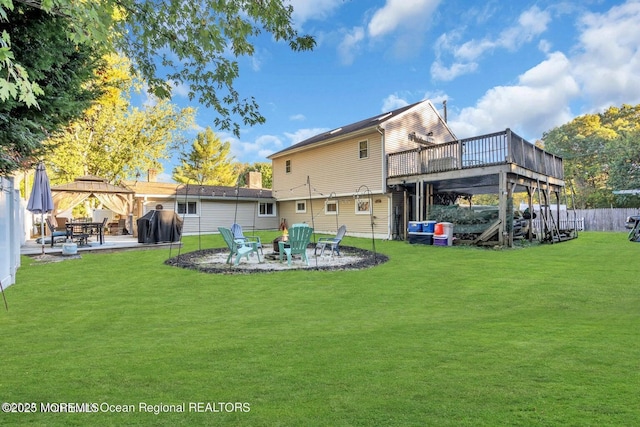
(301, 210)
(363, 199)
(275, 213)
(367, 156)
(331, 202)
(187, 214)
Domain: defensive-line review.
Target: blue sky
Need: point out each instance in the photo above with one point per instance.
(525, 65)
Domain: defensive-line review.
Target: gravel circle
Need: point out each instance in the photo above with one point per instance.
(214, 261)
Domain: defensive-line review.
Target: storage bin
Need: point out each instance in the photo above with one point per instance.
(441, 241)
(421, 238)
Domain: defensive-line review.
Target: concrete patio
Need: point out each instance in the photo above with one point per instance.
(31, 248)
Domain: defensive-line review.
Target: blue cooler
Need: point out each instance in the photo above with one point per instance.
(415, 227)
(428, 226)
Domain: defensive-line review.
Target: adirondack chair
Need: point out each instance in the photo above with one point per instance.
(299, 238)
(332, 242)
(237, 247)
(236, 229)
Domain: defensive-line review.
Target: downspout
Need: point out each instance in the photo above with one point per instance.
(384, 181)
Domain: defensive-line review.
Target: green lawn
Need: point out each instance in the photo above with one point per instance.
(545, 335)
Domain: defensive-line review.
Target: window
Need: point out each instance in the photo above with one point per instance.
(301, 206)
(364, 149)
(266, 209)
(287, 166)
(188, 208)
(331, 207)
(363, 206)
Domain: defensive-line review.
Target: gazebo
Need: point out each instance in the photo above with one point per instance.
(115, 198)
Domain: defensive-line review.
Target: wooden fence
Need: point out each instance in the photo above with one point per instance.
(608, 219)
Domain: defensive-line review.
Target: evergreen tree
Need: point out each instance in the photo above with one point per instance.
(207, 163)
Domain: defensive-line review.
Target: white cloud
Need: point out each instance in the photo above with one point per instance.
(608, 62)
(400, 14)
(531, 23)
(298, 118)
(350, 45)
(536, 104)
(302, 134)
(179, 89)
(305, 10)
(393, 102)
(442, 73)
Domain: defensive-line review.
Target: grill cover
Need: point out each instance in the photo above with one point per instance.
(159, 227)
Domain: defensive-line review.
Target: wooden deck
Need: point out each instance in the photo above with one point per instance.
(481, 155)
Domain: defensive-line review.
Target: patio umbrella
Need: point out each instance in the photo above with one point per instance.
(40, 201)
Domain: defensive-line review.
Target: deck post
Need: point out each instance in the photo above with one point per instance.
(502, 207)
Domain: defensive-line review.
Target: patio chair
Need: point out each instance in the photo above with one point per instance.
(57, 236)
(299, 238)
(331, 242)
(236, 229)
(237, 247)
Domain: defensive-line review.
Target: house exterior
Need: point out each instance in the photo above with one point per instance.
(204, 208)
(340, 177)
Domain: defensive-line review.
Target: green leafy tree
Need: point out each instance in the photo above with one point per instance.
(262, 167)
(59, 71)
(197, 43)
(115, 140)
(593, 147)
(207, 163)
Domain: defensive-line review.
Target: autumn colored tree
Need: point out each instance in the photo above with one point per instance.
(207, 163)
(115, 140)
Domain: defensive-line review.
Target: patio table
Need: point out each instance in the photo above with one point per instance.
(82, 231)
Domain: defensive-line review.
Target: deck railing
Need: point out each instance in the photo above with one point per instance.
(486, 150)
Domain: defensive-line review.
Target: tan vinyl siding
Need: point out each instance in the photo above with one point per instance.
(421, 119)
(219, 213)
(332, 168)
(357, 224)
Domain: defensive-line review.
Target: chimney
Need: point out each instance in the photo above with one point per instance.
(254, 180)
(152, 175)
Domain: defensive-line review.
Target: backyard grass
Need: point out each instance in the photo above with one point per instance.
(544, 335)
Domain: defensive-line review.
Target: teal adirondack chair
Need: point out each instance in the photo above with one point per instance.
(299, 238)
(237, 247)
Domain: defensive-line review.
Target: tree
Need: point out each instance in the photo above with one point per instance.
(58, 70)
(114, 140)
(175, 42)
(594, 148)
(208, 162)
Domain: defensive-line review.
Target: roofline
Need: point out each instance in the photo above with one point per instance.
(323, 142)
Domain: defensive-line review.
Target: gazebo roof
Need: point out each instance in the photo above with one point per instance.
(91, 184)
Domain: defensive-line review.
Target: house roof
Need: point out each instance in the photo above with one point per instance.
(208, 191)
(152, 188)
(217, 191)
(347, 129)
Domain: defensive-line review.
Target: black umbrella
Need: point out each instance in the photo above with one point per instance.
(41, 201)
